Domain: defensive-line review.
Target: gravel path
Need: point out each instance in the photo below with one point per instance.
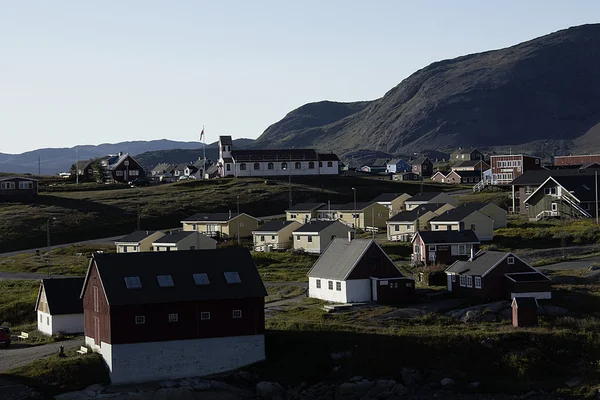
(108, 240)
(27, 276)
(17, 355)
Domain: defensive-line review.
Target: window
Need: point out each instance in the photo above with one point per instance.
(436, 227)
(256, 166)
(396, 228)
(119, 173)
(232, 277)
(338, 286)
(379, 215)
(272, 237)
(165, 281)
(551, 190)
(320, 164)
(134, 172)
(311, 165)
(201, 279)
(205, 315)
(453, 277)
(140, 319)
(25, 185)
(477, 282)
(473, 227)
(237, 313)
(270, 166)
(330, 164)
(510, 260)
(126, 163)
(124, 249)
(463, 281)
(462, 249)
(228, 167)
(7, 185)
(242, 166)
(409, 227)
(298, 165)
(330, 283)
(309, 239)
(283, 165)
(133, 282)
(528, 190)
(554, 207)
(469, 281)
(90, 171)
(41, 320)
(318, 284)
(47, 320)
(173, 317)
(96, 307)
(262, 238)
(431, 248)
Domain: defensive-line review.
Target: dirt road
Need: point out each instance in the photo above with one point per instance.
(18, 355)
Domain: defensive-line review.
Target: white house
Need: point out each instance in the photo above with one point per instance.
(315, 236)
(275, 235)
(138, 241)
(357, 270)
(58, 306)
(279, 162)
(184, 240)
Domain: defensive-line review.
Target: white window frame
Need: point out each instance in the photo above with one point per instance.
(469, 281)
(140, 319)
(338, 286)
(463, 281)
(462, 249)
(318, 283)
(205, 315)
(510, 260)
(477, 282)
(173, 317)
(330, 285)
(236, 314)
(25, 185)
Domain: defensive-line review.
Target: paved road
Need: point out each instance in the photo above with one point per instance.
(27, 276)
(17, 355)
(109, 240)
(571, 265)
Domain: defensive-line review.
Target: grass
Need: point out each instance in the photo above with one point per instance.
(17, 302)
(90, 211)
(60, 261)
(277, 293)
(54, 374)
(283, 266)
(499, 198)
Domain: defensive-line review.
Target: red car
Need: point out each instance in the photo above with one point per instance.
(5, 335)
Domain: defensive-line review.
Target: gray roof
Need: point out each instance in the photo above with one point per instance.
(379, 162)
(394, 161)
(274, 226)
(484, 260)
(448, 237)
(459, 213)
(350, 206)
(425, 196)
(386, 197)
(181, 265)
(410, 216)
(136, 237)
(315, 226)
(306, 207)
(210, 217)
(174, 237)
(166, 167)
(339, 258)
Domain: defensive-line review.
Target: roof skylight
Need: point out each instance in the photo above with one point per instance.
(165, 281)
(133, 282)
(201, 279)
(232, 277)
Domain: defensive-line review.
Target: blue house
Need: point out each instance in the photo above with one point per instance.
(398, 165)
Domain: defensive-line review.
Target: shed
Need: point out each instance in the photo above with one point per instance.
(524, 312)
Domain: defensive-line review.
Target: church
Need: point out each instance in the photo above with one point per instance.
(274, 162)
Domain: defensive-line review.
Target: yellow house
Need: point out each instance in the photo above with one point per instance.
(221, 225)
(275, 235)
(402, 226)
(315, 236)
(364, 215)
(184, 240)
(138, 241)
(303, 212)
(430, 197)
(463, 218)
(393, 201)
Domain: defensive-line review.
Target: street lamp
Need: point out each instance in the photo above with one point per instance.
(238, 219)
(354, 211)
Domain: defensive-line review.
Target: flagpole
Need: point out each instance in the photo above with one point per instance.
(203, 154)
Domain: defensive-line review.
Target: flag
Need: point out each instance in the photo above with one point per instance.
(202, 134)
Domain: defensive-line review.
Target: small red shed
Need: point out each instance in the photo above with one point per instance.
(524, 312)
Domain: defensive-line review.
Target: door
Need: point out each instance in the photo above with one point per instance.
(97, 331)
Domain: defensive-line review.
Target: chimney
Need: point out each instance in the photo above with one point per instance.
(472, 254)
(350, 236)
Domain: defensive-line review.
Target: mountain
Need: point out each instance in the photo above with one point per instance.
(546, 90)
(150, 159)
(53, 161)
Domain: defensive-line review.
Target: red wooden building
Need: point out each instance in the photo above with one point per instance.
(576, 160)
(165, 315)
(524, 312)
(506, 168)
(496, 274)
(18, 188)
(443, 247)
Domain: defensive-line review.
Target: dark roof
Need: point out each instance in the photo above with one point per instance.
(315, 226)
(420, 160)
(10, 178)
(379, 162)
(484, 260)
(425, 196)
(527, 276)
(350, 206)
(274, 226)
(448, 237)
(581, 186)
(306, 207)
(82, 164)
(593, 164)
(63, 295)
(468, 174)
(210, 217)
(228, 160)
(174, 237)
(526, 302)
(136, 237)
(469, 163)
(181, 265)
(279, 155)
(328, 157)
(410, 216)
(225, 140)
(538, 176)
(386, 197)
(458, 213)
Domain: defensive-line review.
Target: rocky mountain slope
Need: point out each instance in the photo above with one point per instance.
(546, 89)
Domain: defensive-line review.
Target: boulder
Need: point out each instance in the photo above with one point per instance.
(488, 318)
(505, 314)
(399, 390)
(269, 390)
(470, 316)
(386, 383)
(447, 382)
(346, 389)
(497, 306)
(554, 311)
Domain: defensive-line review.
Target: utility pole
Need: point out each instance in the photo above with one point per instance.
(76, 166)
(238, 220)
(354, 211)
(596, 180)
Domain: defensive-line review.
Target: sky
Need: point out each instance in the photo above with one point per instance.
(83, 72)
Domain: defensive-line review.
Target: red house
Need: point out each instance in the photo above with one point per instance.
(17, 188)
(443, 247)
(496, 274)
(506, 168)
(166, 315)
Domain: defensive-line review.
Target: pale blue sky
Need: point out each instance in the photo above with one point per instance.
(84, 72)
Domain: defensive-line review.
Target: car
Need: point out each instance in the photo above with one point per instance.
(5, 335)
(137, 182)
